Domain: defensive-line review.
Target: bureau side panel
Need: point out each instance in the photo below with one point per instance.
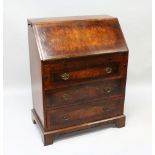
(36, 76)
(124, 70)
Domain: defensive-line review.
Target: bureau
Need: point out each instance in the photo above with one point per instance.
(78, 71)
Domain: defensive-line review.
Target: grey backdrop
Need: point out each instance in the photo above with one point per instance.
(135, 19)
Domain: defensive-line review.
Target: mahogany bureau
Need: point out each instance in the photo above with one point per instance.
(78, 73)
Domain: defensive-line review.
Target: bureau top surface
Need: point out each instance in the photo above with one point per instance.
(70, 37)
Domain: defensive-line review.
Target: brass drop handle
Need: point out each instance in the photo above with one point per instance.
(66, 97)
(64, 76)
(105, 110)
(108, 70)
(108, 90)
(65, 118)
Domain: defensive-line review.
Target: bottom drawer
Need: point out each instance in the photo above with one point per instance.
(75, 115)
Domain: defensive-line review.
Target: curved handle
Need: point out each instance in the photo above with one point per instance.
(65, 118)
(64, 76)
(66, 97)
(105, 110)
(107, 90)
(108, 70)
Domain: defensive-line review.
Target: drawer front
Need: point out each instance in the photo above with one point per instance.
(82, 94)
(72, 72)
(76, 115)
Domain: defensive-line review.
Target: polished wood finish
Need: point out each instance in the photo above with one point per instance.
(36, 76)
(83, 113)
(84, 93)
(77, 36)
(78, 73)
(82, 70)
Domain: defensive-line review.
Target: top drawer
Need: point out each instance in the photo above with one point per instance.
(67, 72)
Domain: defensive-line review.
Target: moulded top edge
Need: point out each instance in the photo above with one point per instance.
(67, 18)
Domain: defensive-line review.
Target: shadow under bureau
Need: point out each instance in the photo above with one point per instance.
(78, 73)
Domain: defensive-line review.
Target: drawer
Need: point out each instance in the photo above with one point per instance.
(66, 73)
(76, 115)
(83, 93)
